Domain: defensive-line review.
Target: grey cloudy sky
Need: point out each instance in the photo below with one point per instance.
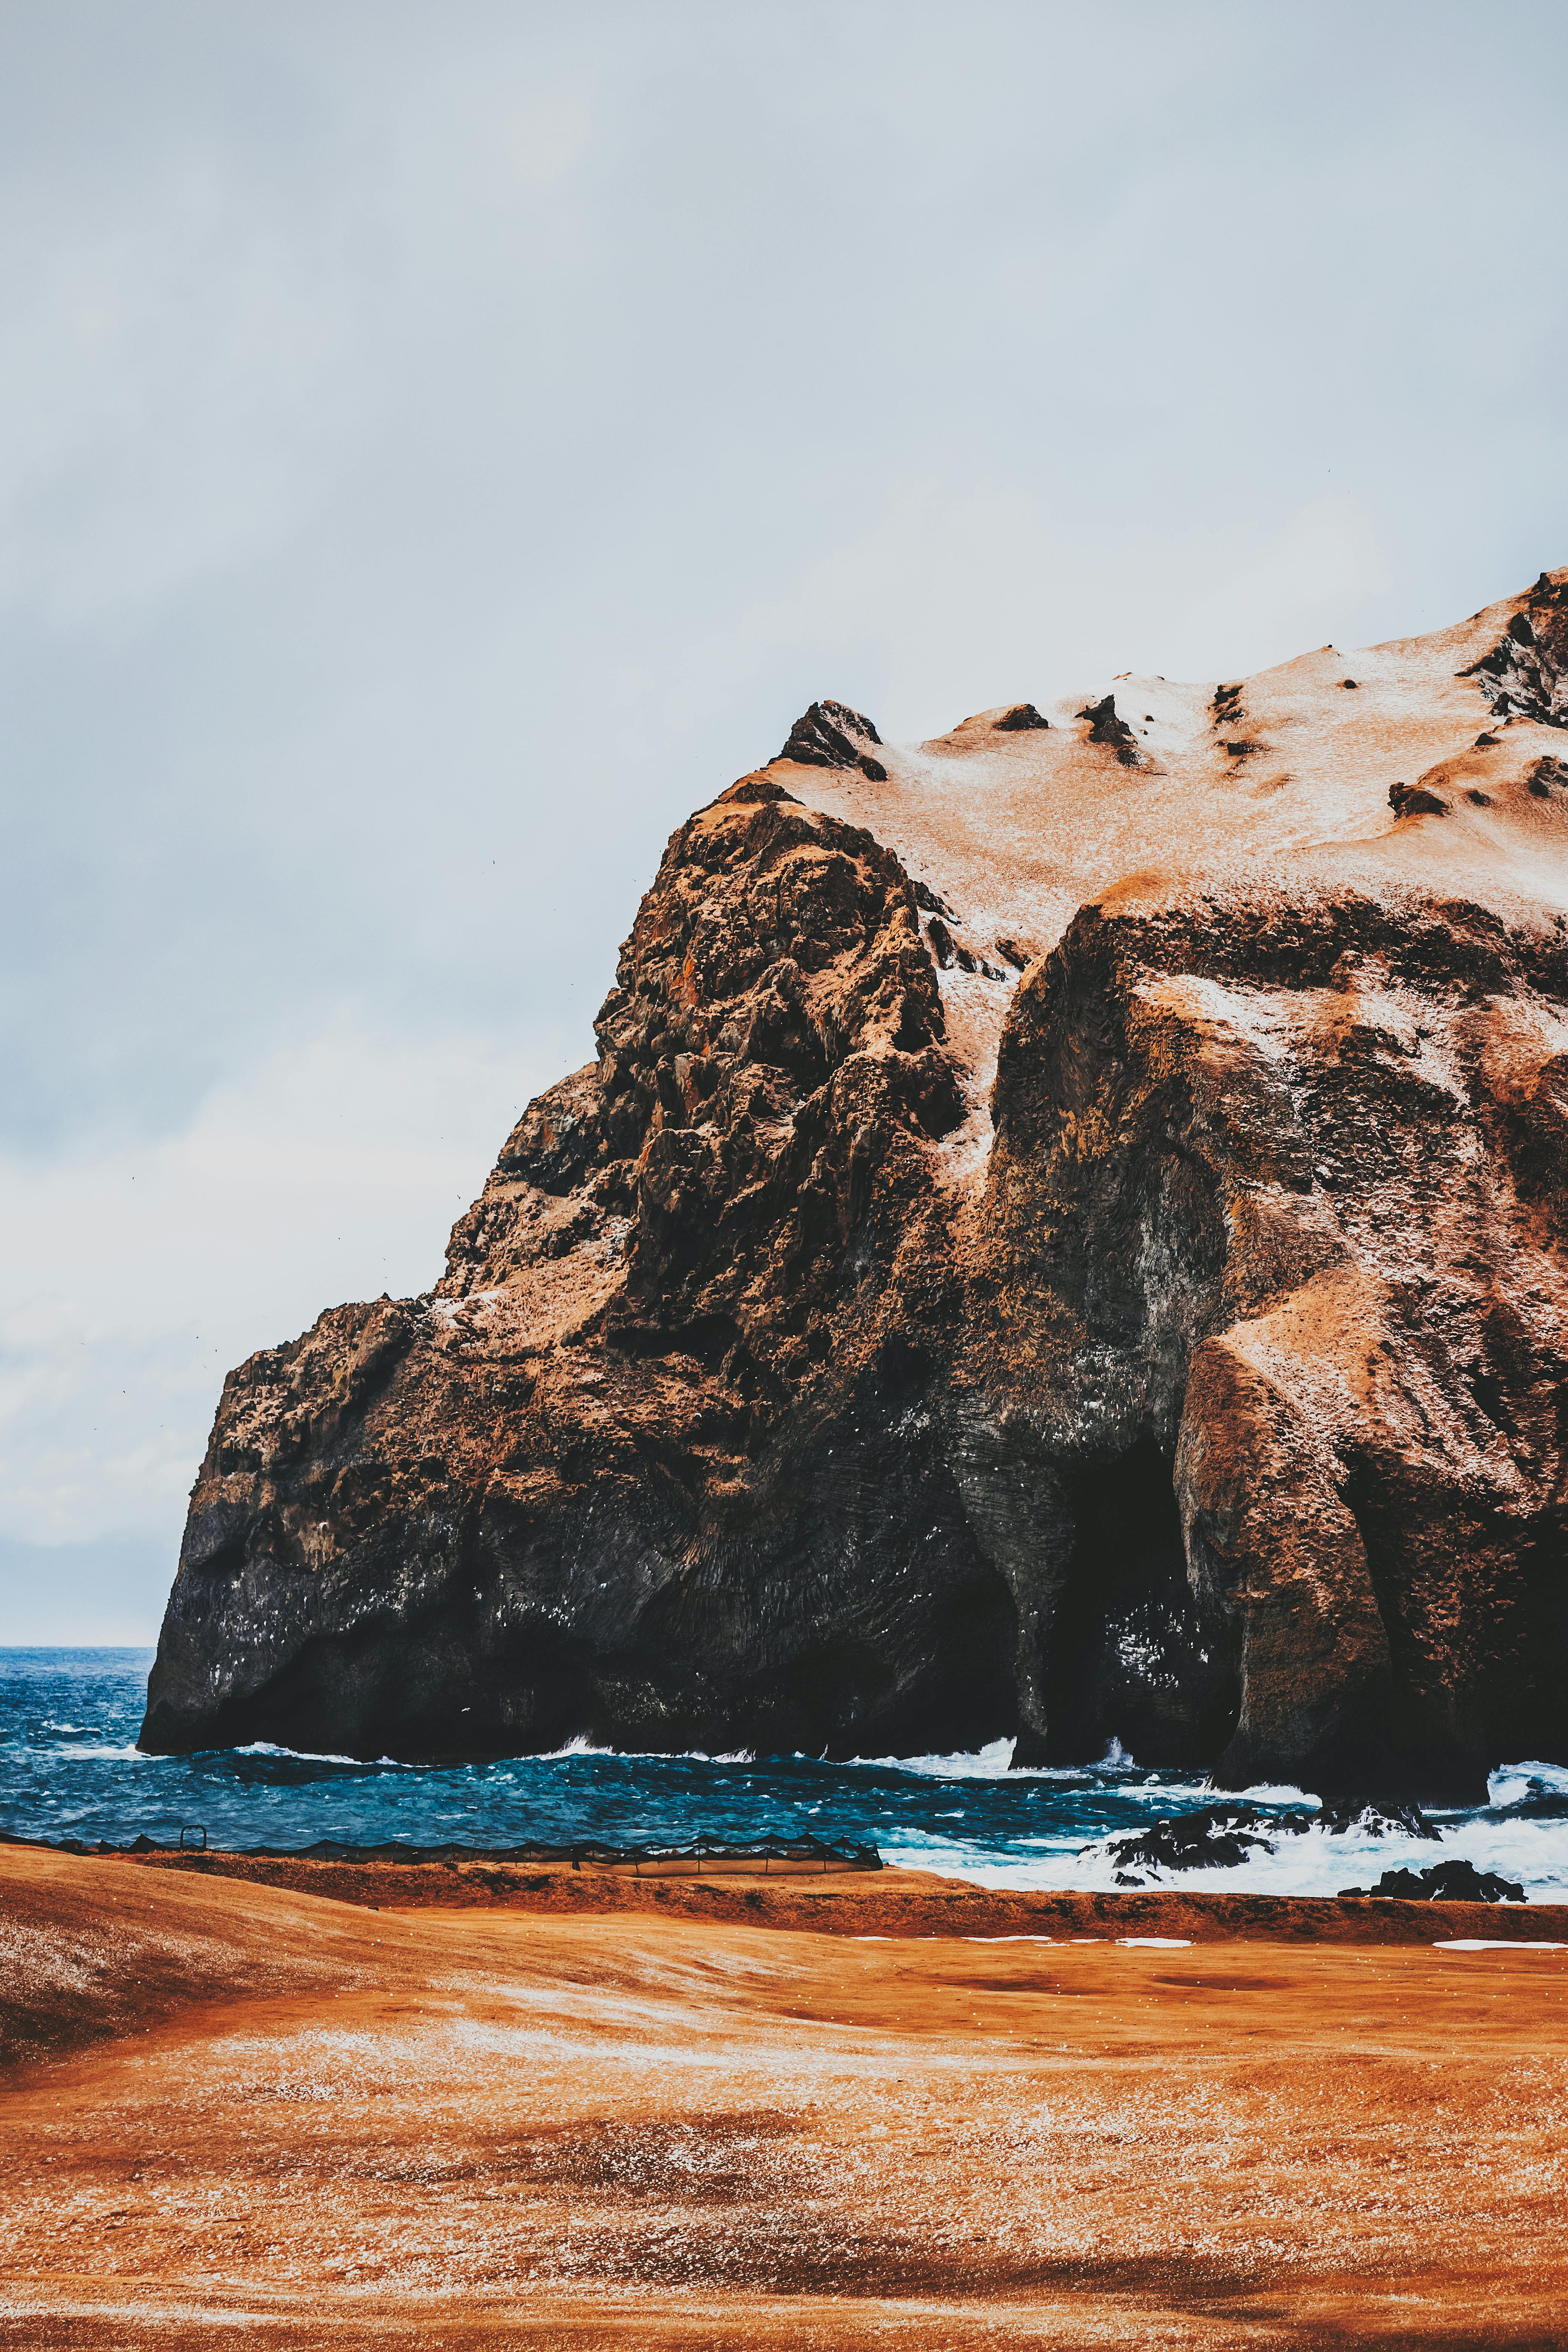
(441, 445)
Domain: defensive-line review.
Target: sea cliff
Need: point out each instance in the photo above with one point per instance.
(1063, 1237)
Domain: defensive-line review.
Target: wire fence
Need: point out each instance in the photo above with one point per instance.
(699, 1856)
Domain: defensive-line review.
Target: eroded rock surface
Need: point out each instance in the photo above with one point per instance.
(1527, 671)
(1107, 727)
(875, 1349)
(831, 735)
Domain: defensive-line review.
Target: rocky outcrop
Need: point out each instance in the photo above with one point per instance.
(1411, 800)
(831, 735)
(1219, 1837)
(1105, 727)
(873, 1350)
(606, 1478)
(1526, 673)
(1445, 1881)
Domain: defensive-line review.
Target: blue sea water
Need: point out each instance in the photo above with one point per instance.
(69, 1768)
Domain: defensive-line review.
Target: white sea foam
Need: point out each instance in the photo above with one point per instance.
(120, 1755)
(1520, 1835)
(304, 1754)
(991, 1762)
(584, 1746)
(1532, 1850)
(1266, 1792)
(1497, 1944)
(1511, 1784)
(978, 1764)
(994, 1762)
(1155, 1943)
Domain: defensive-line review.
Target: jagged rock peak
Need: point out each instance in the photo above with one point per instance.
(830, 735)
(1019, 719)
(1105, 726)
(1526, 673)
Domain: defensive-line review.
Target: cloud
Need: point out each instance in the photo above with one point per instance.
(960, 597)
(136, 1277)
(174, 366)
(107, 1593)
(1315, 579)
(442, 448)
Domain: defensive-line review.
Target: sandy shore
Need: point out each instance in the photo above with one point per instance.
(587, 2113)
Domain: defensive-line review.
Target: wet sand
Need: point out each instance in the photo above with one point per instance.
(239, 2110)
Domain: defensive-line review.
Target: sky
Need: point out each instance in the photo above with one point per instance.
(441, 446)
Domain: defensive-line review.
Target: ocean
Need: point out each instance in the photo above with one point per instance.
(69, 1768)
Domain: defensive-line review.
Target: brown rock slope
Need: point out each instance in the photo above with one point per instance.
(1064, 1236)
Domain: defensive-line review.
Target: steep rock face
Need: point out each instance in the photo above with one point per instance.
(1526, 673)
(831, 735)
(1276, 1199)
(878, 1349)
(608, 1476)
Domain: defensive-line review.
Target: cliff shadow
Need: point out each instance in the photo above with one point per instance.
(1131, 1655)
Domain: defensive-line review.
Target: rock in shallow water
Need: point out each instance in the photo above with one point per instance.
(1349, 1816)
(795, 1384)
(1218, 1837)
(1446, 1882)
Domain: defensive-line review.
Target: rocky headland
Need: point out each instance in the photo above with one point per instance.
(1063, 1237)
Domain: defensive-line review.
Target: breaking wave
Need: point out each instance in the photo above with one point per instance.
(70, 1766)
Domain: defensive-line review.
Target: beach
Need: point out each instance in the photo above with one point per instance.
(879, 2109)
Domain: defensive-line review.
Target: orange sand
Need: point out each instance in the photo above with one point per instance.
(307, 2122)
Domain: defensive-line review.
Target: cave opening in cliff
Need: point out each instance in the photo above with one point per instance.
(1132, 1656)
